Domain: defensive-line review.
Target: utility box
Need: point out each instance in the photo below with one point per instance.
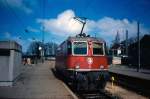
(10, 62)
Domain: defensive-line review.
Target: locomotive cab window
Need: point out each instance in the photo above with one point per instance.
(80, 48)
(98, 48)
(69, 47)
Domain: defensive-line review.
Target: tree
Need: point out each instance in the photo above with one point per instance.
(50, 49)
(33, 49)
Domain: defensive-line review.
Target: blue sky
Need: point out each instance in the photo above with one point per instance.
(105, 18)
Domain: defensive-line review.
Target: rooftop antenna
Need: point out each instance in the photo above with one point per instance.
(83, 21)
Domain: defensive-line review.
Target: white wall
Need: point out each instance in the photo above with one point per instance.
(17, 64)
(4, 68)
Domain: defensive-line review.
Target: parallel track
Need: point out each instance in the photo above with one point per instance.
(133, 83)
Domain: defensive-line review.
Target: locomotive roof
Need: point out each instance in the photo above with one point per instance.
(85, 39)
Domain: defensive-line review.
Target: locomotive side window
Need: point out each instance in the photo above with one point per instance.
(80, 48)
(69, 48)
(98, 48)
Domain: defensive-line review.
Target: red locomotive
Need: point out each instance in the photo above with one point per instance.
(82, 61)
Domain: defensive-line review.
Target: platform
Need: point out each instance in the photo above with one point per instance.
(38, 82)
(132, 72)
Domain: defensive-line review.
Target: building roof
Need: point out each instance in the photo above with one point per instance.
(10, 45)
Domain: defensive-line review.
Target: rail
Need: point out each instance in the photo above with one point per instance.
(102, 94)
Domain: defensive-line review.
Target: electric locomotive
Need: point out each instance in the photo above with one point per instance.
(82, 62)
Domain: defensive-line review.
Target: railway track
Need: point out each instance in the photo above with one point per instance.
(138, 85)
(97, 95)
(102, 94)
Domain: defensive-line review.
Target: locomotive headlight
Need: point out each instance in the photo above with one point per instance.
(77, 66)
(101, 67)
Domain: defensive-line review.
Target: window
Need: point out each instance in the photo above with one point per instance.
(69, 47)
(98, 48)
(4, 52)
(80, 48)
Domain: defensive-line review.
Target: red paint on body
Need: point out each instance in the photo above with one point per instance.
(81, 61)
(71, 61)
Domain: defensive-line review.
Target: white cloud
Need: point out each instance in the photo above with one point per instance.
(107, 27)
(63, 25)
(31, 29)
(20, 4)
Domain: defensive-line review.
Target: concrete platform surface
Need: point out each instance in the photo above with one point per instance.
(38, 82)
(125, 70)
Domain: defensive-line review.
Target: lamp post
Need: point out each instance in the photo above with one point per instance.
(138, 45)
(42, 40)
(42, 50)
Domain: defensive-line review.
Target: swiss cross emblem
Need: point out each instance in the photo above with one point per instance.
(89, 60)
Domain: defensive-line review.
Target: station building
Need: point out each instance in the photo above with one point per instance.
(10, 62)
